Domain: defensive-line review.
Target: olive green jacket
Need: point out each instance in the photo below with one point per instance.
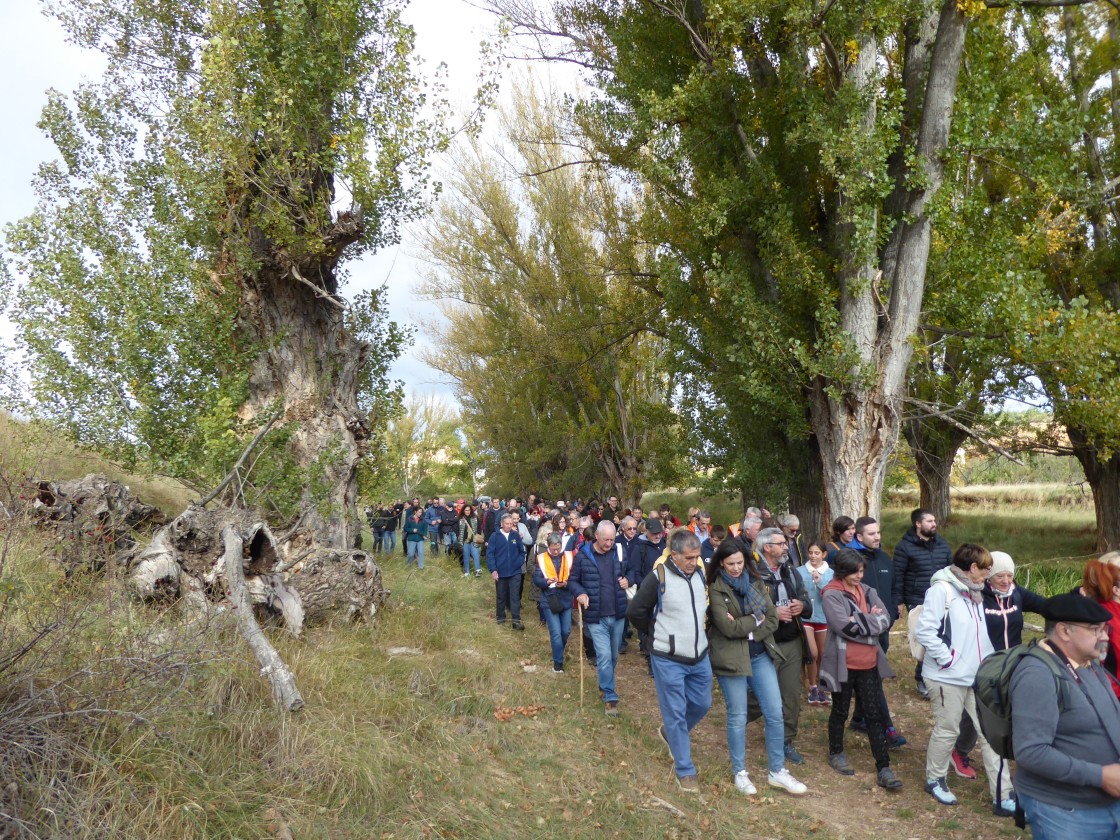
(729, 637)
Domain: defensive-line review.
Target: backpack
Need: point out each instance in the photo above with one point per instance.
(917, 649)
(993, 692)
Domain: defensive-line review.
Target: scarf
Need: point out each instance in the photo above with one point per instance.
(750, 601)
(975, 590)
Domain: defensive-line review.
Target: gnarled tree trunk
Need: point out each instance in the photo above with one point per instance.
(935, 444)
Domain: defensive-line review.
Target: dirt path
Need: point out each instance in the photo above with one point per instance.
(836, 806)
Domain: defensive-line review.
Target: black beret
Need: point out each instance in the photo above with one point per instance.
(1073, 606)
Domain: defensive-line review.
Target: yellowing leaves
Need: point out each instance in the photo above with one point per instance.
(851, 51)
(971, 8)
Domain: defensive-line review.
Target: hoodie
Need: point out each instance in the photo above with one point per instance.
(954, 663)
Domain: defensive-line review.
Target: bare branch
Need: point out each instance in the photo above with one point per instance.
(240, 461)
(968, 430)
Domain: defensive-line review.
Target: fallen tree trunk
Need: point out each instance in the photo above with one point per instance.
(291, 580)
(275, 670)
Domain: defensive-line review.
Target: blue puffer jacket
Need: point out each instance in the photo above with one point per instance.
(584, 580)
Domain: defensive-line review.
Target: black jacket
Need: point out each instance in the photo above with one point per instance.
(643, 554)
(1005, 614)
(795, 589)
(915, 562)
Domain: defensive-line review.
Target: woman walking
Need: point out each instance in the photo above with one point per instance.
(470, 538)
(854, 663)
(415, 533)
(953, 630)
(550, 574)
(743, 620)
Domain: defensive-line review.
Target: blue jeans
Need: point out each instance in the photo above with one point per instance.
(1053, 822)
(559, 628)
(389, 541)
(606, 635)
(433, 537)
(763, 681)
(449, 539)
(684, 693)
(470, 550)
(415, 549)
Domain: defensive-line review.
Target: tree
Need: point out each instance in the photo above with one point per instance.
(795, 153)
(184, 264)
(550, 343)
(421, 450)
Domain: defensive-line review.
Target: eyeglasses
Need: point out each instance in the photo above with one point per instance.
(1095, 629)
(782, 544)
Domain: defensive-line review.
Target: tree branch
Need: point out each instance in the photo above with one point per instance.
(968, 430)
(237, 466)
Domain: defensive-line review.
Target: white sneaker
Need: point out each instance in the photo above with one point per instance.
(782, 779)
(743, 783)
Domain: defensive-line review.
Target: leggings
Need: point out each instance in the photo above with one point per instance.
(866, 685)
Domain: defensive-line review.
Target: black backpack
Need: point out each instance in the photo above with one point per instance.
(993, 692)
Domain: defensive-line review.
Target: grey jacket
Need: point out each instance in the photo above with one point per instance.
(1059, 755)
(847, 624)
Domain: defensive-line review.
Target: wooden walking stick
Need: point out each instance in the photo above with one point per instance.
(580, 606)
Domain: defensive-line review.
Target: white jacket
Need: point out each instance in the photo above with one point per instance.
(957, 662)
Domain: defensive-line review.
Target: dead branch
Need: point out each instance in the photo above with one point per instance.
(284, 689)
(968, 430)
(240, 462)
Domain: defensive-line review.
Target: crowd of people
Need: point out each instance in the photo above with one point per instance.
(779, 623)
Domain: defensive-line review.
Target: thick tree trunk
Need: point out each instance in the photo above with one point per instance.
(310, 368)
(857, 436)
(186, 560)
(806, 500)
(935, 444)
(1103, 476)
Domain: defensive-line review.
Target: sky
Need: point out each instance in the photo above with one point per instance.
(34, 57)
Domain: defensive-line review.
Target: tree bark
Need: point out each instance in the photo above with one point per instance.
(857, 425)
(312, 372)
(935, 445)
(1103, 475)
(806, 500)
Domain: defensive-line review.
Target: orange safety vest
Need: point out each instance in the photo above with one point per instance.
(734, 528)
(548, 567)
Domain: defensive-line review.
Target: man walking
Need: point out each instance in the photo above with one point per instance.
(1066, 731)
(671, 606)
(787, 591)
(598, 581)
(505, 558)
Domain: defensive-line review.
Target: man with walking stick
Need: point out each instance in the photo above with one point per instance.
(599, 584)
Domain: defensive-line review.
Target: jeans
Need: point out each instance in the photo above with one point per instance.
(684, 693)
(1053, 822)
(508, 590)
(415, 549)
(606, 633)
(448, 539)
(389, 540)
(763, 681)
(470, 550)
(433, 538)
(378, 533)
(789, 684)
(559, 628)
(866, 686)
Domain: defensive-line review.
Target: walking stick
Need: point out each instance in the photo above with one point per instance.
(580, 606)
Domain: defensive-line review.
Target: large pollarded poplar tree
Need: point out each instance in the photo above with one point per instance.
(796, 152)
(184, 264)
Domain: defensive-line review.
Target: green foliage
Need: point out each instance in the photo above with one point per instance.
(423, 453)
(550, 339)
(203, 168)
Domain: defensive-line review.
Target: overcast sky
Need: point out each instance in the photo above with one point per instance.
(34, 57)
